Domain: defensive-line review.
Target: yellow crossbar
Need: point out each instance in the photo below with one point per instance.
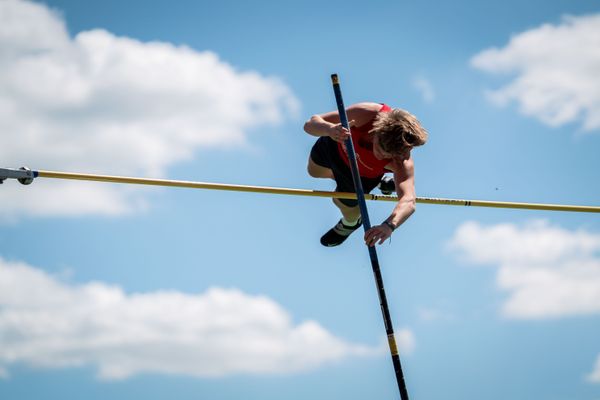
(313, 193)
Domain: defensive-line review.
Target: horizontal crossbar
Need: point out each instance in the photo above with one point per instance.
(20, 174)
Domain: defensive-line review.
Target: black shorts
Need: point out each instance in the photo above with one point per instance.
(326, 154)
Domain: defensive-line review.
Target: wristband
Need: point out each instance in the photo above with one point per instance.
(390, 225)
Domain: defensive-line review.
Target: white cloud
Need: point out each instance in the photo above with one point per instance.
(548, 272)
(594, 376)
(429, 314)
(556, 71)
(425, 88)
(43, 198)
(47, 323)
(101, 103)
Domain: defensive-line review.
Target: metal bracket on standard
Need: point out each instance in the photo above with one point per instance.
(24, 175)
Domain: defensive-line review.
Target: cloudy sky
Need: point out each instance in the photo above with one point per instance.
(112, 291)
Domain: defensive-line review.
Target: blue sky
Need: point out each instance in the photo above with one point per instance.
(118, 292)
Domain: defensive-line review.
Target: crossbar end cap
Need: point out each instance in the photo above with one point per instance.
(29, 179)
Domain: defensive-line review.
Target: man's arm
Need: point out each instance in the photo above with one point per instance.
(328, 124)
(404, 177)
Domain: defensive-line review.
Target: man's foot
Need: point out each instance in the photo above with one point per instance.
(340, 232)
(387, 185)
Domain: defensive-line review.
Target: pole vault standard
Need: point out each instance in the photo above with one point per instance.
(362, 204)
(26, 176)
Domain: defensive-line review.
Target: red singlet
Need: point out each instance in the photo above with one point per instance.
(368, 165)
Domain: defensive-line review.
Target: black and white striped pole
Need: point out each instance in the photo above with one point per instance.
(387, 320)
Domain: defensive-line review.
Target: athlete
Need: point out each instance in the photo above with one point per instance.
(383, 139)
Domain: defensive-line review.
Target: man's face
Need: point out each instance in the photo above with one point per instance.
(381, 154)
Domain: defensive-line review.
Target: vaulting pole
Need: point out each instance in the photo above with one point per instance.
(26, 176)
(389, 329)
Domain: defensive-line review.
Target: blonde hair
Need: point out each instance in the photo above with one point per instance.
(398, 129)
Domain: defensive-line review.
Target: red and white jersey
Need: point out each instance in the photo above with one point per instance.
(368, 165)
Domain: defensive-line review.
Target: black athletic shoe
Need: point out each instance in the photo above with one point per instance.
(340, 232)
(387, 185)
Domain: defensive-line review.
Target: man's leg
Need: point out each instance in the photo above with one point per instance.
(317, 171)
(350, 214)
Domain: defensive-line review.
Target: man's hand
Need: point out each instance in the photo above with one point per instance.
(339, 133)
(377, 233)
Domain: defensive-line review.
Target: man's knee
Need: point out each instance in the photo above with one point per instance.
(316, 171)
(311, 171)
